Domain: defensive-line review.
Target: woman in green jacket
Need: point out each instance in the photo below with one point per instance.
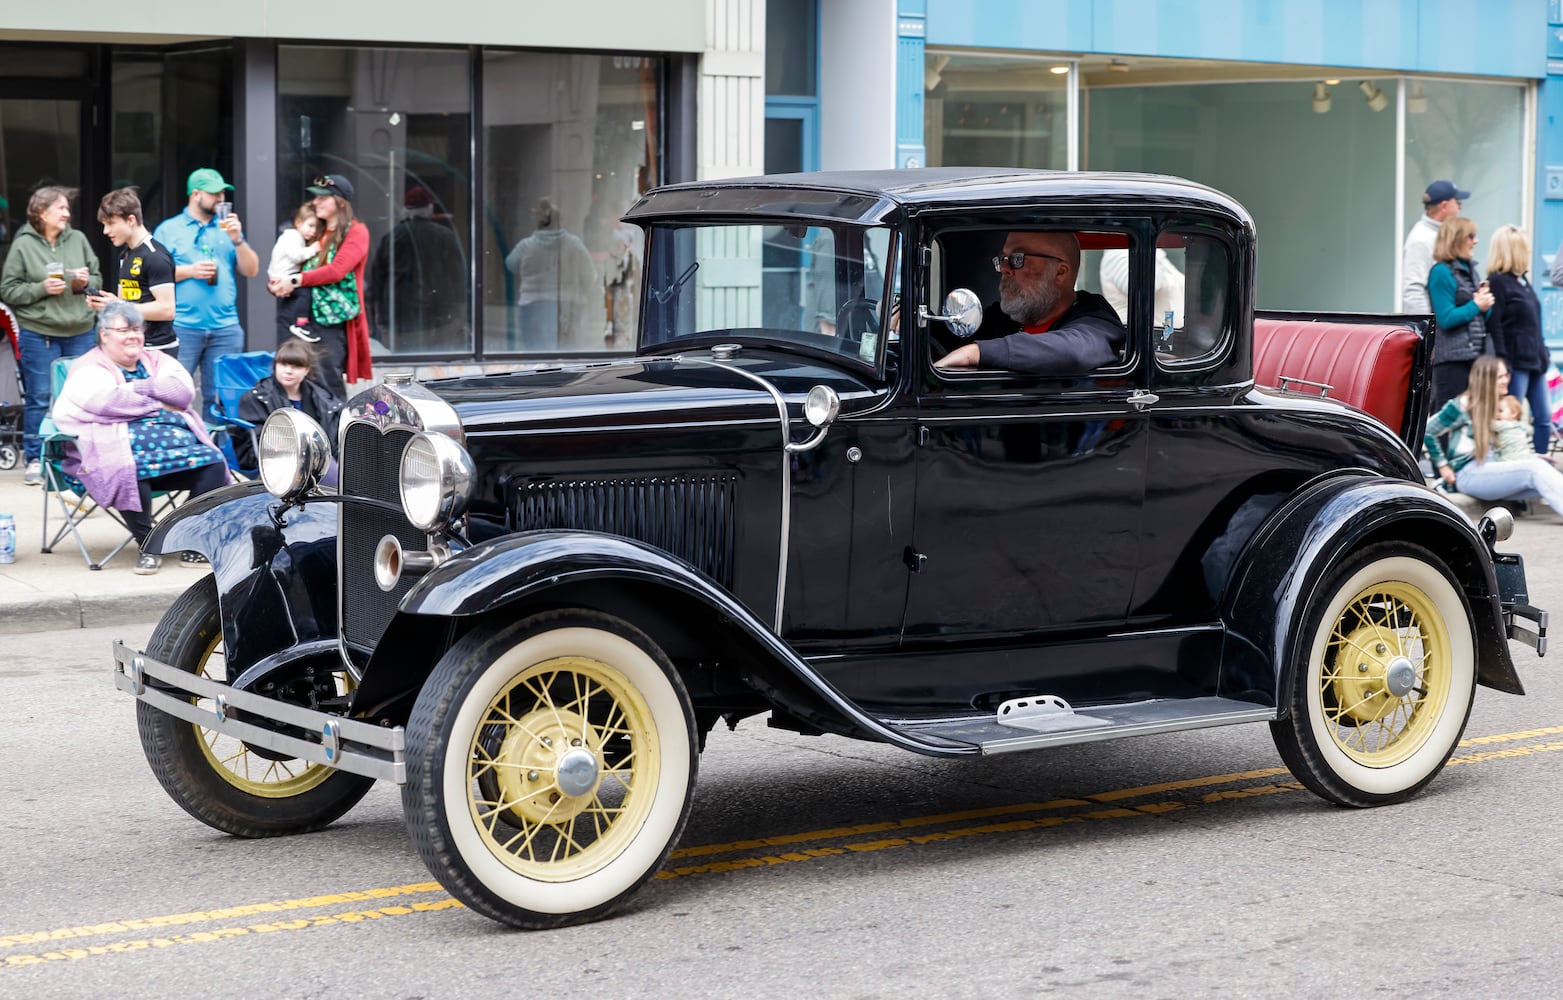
(46, 274)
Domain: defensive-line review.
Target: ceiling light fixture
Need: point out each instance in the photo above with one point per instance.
(1058, 70)
(1375, 97)
(1118, 66)
(1321, 98)
(1416, 101)
(1332, 83)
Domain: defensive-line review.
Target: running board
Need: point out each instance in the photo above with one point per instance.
(1046, 721)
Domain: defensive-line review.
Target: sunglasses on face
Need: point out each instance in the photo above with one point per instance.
(1017, 259)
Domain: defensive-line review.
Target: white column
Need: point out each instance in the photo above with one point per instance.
(731, 102)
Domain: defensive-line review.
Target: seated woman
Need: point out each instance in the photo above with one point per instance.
(129, 409)
(1475, 464)
(292, 382)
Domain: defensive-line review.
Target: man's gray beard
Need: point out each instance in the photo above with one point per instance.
(1027, 308)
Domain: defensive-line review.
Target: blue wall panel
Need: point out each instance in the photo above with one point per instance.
(1482, 37)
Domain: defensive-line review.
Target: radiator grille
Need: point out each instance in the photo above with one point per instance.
(370, 467)
(690, 516)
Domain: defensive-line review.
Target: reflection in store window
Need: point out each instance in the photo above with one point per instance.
(571, 142)
(395, 122)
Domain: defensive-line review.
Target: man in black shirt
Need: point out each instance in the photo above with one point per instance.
(146, 270)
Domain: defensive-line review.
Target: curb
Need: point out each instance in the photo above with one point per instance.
(46, 612)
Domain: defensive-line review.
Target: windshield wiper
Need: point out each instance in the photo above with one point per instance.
(673, 289)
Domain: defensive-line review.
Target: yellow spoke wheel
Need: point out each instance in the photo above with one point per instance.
(1388, 672)
(222, 781)
(550, 767)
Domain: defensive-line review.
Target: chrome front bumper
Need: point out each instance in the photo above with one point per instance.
(346, 744)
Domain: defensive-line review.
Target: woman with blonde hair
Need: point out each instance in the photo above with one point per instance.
(1471, 464)
(1461, 302)
(1514, 327)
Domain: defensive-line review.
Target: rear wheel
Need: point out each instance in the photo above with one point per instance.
(1381, 701)
(222, 781)
(550, 767)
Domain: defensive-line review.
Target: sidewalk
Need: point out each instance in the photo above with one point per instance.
(57, 591)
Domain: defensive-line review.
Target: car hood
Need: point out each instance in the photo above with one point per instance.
(641, 392)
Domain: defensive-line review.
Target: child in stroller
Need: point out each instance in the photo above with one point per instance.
(10, 392)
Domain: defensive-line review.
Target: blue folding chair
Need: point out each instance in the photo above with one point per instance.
(234, 375)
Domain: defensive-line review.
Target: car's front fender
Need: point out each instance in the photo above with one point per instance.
(276, 578)
(538, 570)
(1286, 561)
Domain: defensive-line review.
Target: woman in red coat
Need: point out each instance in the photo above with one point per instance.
(338, 326)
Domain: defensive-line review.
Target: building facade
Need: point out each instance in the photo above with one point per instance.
(492, 148)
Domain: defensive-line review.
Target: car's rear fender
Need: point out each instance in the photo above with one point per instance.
(276, 575)
(692, 617)
(1287, 559)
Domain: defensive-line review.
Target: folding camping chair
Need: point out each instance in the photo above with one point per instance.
(234, 375)
(67, 494)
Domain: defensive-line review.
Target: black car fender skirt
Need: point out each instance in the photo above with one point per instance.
(1287, 560)
(276, 575)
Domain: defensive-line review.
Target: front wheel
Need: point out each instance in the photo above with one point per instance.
(1381, 701)
(550, 767)
(223, 782)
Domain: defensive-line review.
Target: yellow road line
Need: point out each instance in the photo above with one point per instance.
(808, 854)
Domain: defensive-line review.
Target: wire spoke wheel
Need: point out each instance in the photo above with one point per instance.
(1380, 700)
(1386, 674)
(228, 784)
(550, 767)
(555, 766)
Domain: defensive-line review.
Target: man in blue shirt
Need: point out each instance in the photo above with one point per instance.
(209, 257)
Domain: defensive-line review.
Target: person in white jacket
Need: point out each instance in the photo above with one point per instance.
(293, 249)
(1440, 202)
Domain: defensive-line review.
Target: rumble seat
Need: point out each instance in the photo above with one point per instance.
(1367, 365)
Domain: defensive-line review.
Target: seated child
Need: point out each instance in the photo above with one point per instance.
(289, 384)
(294, 247)
(1515, 442)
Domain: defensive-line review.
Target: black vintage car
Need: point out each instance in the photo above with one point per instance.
(534, 594)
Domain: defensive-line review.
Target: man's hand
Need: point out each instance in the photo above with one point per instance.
(965, 356)
(234, 228)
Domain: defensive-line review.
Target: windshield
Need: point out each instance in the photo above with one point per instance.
(811, 285)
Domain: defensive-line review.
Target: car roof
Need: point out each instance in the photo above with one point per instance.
(877, 196)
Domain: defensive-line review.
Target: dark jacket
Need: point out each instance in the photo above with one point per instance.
(259, 403)
(1462, 327)
(1088, 335)
(1514, 323)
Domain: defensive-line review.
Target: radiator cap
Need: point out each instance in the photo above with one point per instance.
(726, 352)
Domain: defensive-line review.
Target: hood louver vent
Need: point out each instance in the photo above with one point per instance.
(689, 516)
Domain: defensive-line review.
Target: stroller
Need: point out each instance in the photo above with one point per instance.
(10, 392)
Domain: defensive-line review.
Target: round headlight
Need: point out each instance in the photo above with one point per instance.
(821, 404)
(436, 481)
(294, 453)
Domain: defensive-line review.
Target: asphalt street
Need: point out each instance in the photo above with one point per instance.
(1187, 864)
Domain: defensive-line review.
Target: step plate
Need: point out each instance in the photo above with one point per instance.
(1088, 725)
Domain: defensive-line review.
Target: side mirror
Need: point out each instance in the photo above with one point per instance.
(962, 312)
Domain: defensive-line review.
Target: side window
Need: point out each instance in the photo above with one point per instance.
(1193, 275)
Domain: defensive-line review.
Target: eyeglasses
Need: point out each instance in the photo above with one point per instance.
(1017, 259)
(123, 329)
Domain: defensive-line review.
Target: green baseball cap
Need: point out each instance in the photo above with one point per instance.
(208, 180)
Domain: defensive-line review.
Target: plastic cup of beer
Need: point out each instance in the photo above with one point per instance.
(224, 209)
(55, 269)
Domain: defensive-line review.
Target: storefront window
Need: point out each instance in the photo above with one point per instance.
(995, 111)
(397, 124)
(570, 141)
(1472, 134)
(172, 113)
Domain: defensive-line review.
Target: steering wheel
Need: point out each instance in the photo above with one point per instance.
(857, 317)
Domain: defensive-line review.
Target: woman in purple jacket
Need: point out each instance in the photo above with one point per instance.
(135, 432)
(1514, 327)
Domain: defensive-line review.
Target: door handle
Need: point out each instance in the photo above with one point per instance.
(1140, 399)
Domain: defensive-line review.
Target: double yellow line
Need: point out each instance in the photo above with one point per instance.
(72, 943)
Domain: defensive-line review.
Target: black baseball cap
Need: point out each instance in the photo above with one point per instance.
(332, 184)
(1442, 191)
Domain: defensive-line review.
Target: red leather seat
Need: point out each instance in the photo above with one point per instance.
(1366, 365)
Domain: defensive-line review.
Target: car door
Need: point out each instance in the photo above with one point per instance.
(1029, 496)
